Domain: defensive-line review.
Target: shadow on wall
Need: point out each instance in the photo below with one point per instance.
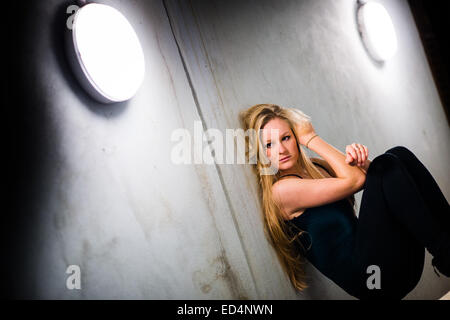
(34, 139)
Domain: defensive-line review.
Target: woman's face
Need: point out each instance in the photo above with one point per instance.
(281, 146)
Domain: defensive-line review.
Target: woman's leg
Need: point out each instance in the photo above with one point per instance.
(383, 241)
(425, 183)
(404, 200)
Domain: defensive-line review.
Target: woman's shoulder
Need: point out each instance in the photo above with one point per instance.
(319, 161)
(324, 165)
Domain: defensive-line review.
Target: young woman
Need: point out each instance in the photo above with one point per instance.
(309, 207)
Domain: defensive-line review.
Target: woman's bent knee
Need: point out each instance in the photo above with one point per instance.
(382, 161)
(399, 149)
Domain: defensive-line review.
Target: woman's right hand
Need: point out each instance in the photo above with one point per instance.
(303, 125)
(306, 132)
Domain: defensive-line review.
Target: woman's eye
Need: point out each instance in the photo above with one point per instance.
(269, 144)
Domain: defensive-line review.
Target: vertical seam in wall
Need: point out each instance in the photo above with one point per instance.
(197, 106)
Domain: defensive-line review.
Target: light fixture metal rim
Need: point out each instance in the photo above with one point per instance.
(364, 33)
(100, 94)
(104, 97)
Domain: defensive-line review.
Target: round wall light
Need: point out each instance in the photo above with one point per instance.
(377, 30)
(105, 53)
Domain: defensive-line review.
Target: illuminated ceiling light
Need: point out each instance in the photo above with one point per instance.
(105, 53)
(377, 30)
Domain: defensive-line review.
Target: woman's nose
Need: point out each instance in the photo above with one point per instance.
(281, 148)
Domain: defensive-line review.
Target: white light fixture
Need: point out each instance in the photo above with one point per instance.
(377, 30)
(105, 53)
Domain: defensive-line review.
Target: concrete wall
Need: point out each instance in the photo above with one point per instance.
(99, 189)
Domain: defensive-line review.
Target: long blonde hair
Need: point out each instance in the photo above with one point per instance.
(277, 231)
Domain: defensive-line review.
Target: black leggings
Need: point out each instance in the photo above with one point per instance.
(402, 212)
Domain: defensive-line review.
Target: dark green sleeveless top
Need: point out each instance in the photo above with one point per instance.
(329, 242)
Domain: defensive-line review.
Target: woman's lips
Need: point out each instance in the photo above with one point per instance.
(284, 159)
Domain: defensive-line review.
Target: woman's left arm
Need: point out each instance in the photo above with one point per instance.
(365, 166)
(358, 155)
